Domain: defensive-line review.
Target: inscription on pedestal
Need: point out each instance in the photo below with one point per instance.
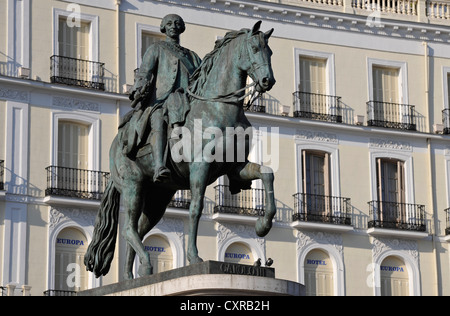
(232, 268)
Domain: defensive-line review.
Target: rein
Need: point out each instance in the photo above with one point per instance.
(231, 97)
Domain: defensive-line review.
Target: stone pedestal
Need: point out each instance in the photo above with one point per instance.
(206, 278)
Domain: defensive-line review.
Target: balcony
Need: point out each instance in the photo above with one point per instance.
(77, 72)
(321, 212)
(446, 120)
(400, 219)
(317, 107)
(86, 185)
(60, 293)
(244, 207)
(391, 115)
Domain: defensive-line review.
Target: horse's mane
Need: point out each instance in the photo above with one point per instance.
(199, 77)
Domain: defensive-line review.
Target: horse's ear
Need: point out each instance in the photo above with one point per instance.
(256, 27)
(268, 34)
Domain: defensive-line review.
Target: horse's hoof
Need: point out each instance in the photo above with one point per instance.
(128, 276)
(262, 227)
(145, 269)
(195, 260)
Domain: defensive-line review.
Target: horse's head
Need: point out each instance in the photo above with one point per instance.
(258, 64)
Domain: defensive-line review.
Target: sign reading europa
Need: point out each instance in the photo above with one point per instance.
(237, 255)
(71, 242)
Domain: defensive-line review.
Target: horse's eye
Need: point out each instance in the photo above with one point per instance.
(255, 49)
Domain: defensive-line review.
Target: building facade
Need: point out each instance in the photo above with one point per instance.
(359, 123)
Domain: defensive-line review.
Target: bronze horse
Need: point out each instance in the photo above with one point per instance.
(217, 90)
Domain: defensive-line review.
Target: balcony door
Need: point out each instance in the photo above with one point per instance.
(73, 43)
(313, 85)
(73, 140)
(316, 183)
(387, 96)
(391, 189)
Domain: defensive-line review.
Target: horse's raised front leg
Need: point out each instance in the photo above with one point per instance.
(198, 182)
(253, 171)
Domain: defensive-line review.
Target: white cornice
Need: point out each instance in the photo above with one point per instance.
(334, 19)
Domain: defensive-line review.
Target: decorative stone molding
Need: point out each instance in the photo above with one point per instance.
(172, 225)
(80, 216)
(75, 104)
(14, 95)
(382, 245)
(230, 233)
(321, 137)
(389, 144)
(308, 238)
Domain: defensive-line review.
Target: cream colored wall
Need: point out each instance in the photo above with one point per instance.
(40, 145)
(37, 247)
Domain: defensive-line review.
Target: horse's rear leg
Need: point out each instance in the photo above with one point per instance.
(198, 182)
(155, 204)
(133, 200)
(253, 171)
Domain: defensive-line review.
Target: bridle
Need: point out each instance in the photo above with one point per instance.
(233, 97)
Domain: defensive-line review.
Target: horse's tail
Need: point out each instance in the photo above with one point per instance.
(100, 252)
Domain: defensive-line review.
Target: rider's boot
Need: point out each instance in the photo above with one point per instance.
(157, 141)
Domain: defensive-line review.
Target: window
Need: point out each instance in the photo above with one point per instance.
(146, 35)
(314, 97)
(390, 180)
(316, 172)
(73, 145)
(73, 41)
(149, 38)
(239, 253)
(385, 84)
(394, 277)
(390, 205)
(160, 252)
(388, 98)
(319, 279)
(312, 75)
(82, 41)
(71, 245)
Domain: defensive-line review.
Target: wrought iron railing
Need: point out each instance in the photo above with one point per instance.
(393, 215)
(391, 115)
(317, 107)
(247, 202)
(181, 199)
(322, 209)
(76, 183)
(2, 173)
(77, 72)
(447, 215)
(258, 105)
(60, 293)
(446, 120)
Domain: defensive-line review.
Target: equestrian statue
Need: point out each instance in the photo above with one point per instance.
(174, 90)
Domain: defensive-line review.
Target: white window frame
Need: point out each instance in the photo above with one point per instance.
(333, 153)
(408, 173)
(93, 20)
(330, 68)
(92, 122)
(140, 28)
(402, 82)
